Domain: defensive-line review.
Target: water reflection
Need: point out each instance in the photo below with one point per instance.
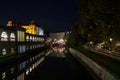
(21, 70)
(59, 50)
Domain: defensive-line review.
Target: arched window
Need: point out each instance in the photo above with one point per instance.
(4, 51)
(4, 36)
(33, 38)
(27, 38)
(30, 38)
(12, 37)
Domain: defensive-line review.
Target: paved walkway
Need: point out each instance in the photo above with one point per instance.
(57, 67)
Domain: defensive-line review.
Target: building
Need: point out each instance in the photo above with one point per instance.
(31, 27)
(57, 37)
(17, 40)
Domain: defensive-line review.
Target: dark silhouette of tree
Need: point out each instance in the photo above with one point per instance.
(99, 21)
(102, 16)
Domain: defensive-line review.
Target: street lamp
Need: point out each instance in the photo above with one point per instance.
(110, 48)
(110, 39)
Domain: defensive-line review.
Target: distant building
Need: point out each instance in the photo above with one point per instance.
(56, 37)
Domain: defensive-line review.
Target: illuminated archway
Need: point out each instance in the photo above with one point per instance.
(27, 38)
(12, 37)
(4, 36)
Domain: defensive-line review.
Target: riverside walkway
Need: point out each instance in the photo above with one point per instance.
(57, 66)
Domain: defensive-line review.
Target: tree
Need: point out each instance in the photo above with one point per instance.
(103, 13)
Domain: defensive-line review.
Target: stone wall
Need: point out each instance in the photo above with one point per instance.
(97, 69)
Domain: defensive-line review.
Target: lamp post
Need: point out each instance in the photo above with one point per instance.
(110, 48)
(110, 39)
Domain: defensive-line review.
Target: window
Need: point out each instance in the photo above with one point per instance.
(12, 50)
(41, 32)
(33, 38)
(12, 70)
(4, 51)
(20, 36)
(30, 46)
(27, 38)
(4, 36)
(30, 38)
(3, 75)
(27, 47)
(22, 65)
(22, 48)
(12, 37)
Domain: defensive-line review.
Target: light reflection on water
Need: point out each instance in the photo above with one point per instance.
(21, 70)
(59, 50)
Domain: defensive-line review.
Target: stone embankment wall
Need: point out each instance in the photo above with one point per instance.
(97, 69)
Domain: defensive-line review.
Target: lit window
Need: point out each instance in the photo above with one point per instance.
(30, 69)
(33, 38)
(37, 39)
(22, 65)
(4, 36)
(27, 47)
(22, 48)
(31, 47)
(27, 72)
(27, 38)
(3, 75)
(4, 51)
(41, 32)
(12, 70)
(12, 50)
(30, 38)
(33, 66)
(20, 36)
(12, 37)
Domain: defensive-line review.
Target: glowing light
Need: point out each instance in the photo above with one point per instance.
(30, 69)
(3, 75)
(27, 72)
(30, 29)
(12, 37)
(110, 39)
(4, 51)
(4, 36)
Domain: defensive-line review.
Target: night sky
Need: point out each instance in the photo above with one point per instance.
(54, 15)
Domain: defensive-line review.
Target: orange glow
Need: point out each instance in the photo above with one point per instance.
(30, 29)
(9, 23)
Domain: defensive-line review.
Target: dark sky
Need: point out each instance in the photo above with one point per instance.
(54, 15)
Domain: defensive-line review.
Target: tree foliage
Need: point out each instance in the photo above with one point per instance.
(100, 19)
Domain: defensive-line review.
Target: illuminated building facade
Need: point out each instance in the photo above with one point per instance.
(15, 40)
(31, 27)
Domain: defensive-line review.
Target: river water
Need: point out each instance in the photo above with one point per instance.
(56, 65)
